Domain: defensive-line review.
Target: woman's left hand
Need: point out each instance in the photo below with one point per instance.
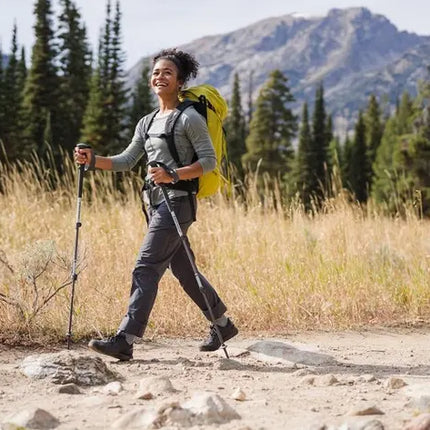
(159, 175)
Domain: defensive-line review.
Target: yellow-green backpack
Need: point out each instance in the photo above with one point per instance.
(208, 102)
(212, 106)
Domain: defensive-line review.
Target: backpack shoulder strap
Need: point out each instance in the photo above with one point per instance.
(170, 127)
(148, 122)
(174, 116)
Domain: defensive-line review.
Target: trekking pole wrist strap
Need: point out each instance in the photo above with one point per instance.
(171, 172)
(92, 164)
(174, 174)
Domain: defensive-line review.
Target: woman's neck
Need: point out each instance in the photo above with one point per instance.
(168, 104)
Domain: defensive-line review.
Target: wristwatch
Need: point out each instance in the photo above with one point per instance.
(175, 177)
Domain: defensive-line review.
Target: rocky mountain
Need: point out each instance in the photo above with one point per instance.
(353, 51)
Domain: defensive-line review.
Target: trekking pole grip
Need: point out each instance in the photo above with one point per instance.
(91, 165)
(82, 168)
(171, 172)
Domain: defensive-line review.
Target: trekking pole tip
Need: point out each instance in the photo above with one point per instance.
(224, 347)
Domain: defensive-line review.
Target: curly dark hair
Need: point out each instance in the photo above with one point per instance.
(186, 64)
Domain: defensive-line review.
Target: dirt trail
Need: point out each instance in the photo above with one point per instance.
(281, 392)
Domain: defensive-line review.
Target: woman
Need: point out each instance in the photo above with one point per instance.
(162, 247)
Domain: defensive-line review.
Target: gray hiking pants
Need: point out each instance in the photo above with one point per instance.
(163, 248)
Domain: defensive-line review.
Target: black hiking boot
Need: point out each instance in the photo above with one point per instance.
(115, 346)
(212, 343)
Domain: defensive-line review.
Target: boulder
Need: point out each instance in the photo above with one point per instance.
(67, 367)
(32, 418)
(281, 351)
(210, 408)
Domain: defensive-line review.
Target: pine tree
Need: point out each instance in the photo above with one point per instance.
(250, 102)
(302, 173)
(117, 95)
(374, 130)
(94, 129)
(329, 132)
(335, 160)
(384, 175)
(358, 162)
(346, 161)
(22, 70)
(319, 145)
(272, 128)
(411, 158)
(235, 129)
(105, 47)
(142, 100)
(387, 177)
(104, 121)
(13, 94)
(41, 91)
(75, 67)
(328, 140)
(404, 114)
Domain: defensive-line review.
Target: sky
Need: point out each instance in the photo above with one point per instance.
(151, 25)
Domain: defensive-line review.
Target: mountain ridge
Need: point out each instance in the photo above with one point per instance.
(347, 48)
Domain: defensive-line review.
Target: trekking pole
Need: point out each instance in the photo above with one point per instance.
(183, 238)
(74, 275)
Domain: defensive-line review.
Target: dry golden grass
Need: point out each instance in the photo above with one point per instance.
(276, 270)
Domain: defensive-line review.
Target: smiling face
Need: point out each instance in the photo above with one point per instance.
(164, 78)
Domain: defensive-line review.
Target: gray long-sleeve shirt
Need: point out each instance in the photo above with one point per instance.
(191, 137)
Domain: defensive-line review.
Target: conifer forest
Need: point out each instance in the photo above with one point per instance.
(64, 92)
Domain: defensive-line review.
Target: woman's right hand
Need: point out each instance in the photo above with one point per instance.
(82, 155)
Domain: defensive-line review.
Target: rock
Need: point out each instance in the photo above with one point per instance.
(303, 372)
(327, 380)
(421, 422)
(367, 378)
(144, 396)
(239, 395)
(168, 414)
(363, 425)
(372, 425)
(318, 427)
(290, 353)
(140, 418)
(209, 408)
(419, 397)
(67, 367)
(113, 388)
(365, 410)
(201, 409)
(394, 383)
(174, 414)
(69, 389)
(351, 380)
(155, 385)
(228, 364)
(33, 418)
(307, 380)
